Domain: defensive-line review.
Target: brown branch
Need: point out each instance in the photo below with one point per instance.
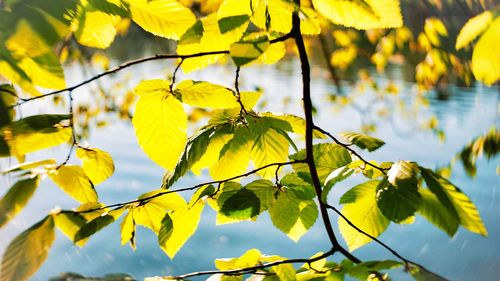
(306, 97)
(74, 141)
(347, 146)
(408, 263)
(146, 199)
(253, 269)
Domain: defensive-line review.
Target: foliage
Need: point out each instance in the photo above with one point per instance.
(236, 141)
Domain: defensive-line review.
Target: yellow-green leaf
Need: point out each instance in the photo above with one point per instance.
(165, 18)
(217, 141)
(206, 94)
(93, 226)
(436, 213)
(248, 49)
(269, 147)
(363, 212)
(184, 223)
(127, 230)
(69, 223)
(160, 124)
(95, 28)
(366, 14)
(16, 198)
(26, 166)
(234, 156)
(73, 180)
(249, 258)
(486, 55)
(26, 253)
(151, 213)
(473, 28)
(97, 164)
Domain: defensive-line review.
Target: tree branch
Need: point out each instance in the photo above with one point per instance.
(253, 269)
(146, 199)
(138, 61)
(306, 97)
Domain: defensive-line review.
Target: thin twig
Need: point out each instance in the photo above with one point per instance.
(347, 146)
(138, 61)
(146, 199)
(408, 263)
(253, 269)
(74, 141)
(237, 88)
(174, 75)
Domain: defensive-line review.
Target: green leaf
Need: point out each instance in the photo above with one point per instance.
(16, 198)
(397, 203)
(205, 94)
(26, 253)
(111, 7)
(160, 123)
(248, 49)
(422, 274)
(240, 205)
(361, 209)
(70, 223)
(455, 201)
(176, 228)
(367, 14)
(93, 226)
(72, 180)
(327, 156)
(265, 191)
(8, 97)
(299, 187)
(403, 174)
(473, 28)
(165, 18)
(435, 212)
(363, 141)
(268, 147)
(363, 270)
(97, 164)
(334, 177)
(230, 23)
(293, 216)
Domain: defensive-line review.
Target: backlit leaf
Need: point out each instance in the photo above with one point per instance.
(269, 147)
(473, 28)
(361, 209)
(97, 164)
(16, 198)
(72, 180)
(69, 223)
(455, 201)
(234, 156)
(127, 230)
(485, 58)
(328, 157)
(293, 216)
(160, 123)
(95, 28)
(26, 253)
(248, 259)
(97, 224)
(165, 18)
(363, 270)
(436, 213)
(363, 141)
(397, 203)
(206, 94)
(248, 49)
(366, 14)
(26, 166)
(183, 224)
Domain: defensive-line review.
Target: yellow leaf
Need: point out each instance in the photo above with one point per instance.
(44, 71)
(273, 53)
(95, 28)
(151, 213)
(165, 18)
(26, 143)
(69, 224)
(213, 151)
(248, 259)
(272, 15)
(363, 212)
(26, 42)
(160, 123)
(234, 157)
(212, 40)
(97, 164)
(473, 28)
(127, 229)
(73, 181)
(16, 198)
(184, 224)
(373, 14)
(205, 94)
(486, 55)
(309, 24)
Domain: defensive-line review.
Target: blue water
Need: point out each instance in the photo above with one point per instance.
(465, 114)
